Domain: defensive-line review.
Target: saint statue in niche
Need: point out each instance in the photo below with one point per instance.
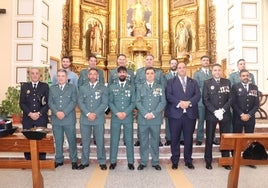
(183, 38)
(94, 38)
(138, 19)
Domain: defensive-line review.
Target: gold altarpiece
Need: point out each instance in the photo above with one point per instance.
(167, 29)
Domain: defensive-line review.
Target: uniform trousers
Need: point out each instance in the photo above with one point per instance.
(248, 126)
(86, 134)
(210, 134)
(200, 124)
(128, 139)
(70, 132)
(149, 142)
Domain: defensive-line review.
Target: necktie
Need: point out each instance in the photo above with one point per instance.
(150, 86)
(218, 81)
(121, 85)
(207, 73)
(174, 74)
(61, 88)
(34, 86)
(183, 84)
(92, 86)
(245, 86)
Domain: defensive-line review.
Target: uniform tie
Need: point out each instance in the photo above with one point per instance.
(34, 86)
(174, 74)
(245, 86)
(207, 73)
(218, 81)
(150, 86)
(61, 88)
(122, 85)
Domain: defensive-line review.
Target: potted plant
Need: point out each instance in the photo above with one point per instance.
(11, 103)
(3, 112)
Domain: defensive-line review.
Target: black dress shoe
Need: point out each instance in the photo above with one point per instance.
(182, 142)
(58, 164)
(174, 166)
(137, 143)
(227, 167)
(168, 142)
(74, 165)
(189, 165)
(141, 167)
(81, 166)
(208, 166)
(112, 166)
(157, 167)
(198, 143)
(160, 144)
(103, 166)
(130, 166)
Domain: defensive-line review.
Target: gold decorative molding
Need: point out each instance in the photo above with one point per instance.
(112, 42)
(75, 35)
(212, 34)
(65, 31)
(166, 42)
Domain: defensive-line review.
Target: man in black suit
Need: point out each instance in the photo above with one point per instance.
(217, 99)
(182, 95)
(34, 104)
(245, 103)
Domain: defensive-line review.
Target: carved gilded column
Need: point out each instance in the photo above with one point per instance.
(112, 33)
(166, 35)
(202, 31)
(111, 57)
(75, 26)
(166, 39)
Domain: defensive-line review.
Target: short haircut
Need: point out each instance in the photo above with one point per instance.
(66, 57)
(121, 55)
(204, 56)
(91, 69)
(90, 56)
(183, 63)
(240, 60)
(173, 59)
(62, 70)
(150, 55)
(242, 71)
(216, 65)
(121, 68)
(149, 68)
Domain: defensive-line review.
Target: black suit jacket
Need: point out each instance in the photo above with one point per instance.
(34, 101)
(244, 101)
(216, 96)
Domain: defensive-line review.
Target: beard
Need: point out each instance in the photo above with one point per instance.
(122, 78)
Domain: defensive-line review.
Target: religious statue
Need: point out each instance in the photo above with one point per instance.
(182, 39)
(138, 20)
(96, 39)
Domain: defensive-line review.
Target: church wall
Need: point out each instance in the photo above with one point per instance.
(5, 46)
(222, 34)
(55, 32)
(264, 78)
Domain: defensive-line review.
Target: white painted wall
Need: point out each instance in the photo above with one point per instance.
(5, 46)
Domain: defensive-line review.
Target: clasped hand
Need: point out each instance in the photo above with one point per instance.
(219, 114)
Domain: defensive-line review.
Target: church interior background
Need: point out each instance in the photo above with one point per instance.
(39, 33)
